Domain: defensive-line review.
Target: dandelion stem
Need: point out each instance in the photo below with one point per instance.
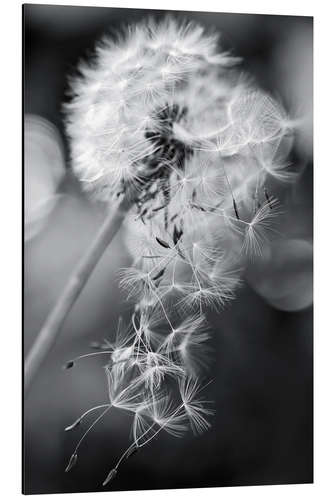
(47, 336)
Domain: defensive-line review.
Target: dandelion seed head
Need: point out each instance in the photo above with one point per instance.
(164, 117)
(131, 106)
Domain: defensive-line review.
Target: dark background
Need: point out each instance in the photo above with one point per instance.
(262, 362)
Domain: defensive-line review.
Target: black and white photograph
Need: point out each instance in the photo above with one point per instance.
(168, 249)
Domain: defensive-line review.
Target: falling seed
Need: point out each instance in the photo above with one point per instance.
(74, 425)
(162, 242)
(71, 462)
(112, 474)
(69, 365)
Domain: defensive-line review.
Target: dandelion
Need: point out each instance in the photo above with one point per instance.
(164, 131)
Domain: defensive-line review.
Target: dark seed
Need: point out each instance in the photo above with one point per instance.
(162, 242)
(235, 208)
(69, 364)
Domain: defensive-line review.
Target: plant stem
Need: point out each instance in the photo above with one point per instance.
(52, 326)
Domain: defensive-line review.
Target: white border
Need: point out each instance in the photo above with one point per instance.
(10, 198)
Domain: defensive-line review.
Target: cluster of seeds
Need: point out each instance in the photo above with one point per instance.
(163, 117)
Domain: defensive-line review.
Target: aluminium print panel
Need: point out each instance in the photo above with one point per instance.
(167, 249)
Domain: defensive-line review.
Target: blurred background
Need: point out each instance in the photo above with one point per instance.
(262, 362)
